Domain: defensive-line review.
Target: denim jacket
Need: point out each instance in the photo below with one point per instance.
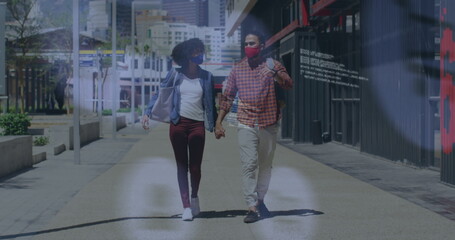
(208, 97)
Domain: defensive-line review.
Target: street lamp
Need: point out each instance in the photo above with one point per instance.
(99, 55)
(133, 67)
(115, 97)
(76, 93)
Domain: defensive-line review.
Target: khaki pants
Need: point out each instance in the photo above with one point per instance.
(257, 147)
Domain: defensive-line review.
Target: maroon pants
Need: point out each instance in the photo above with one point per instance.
(188, 139)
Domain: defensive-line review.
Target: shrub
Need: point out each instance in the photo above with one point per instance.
(41, 141)
(14, 123)
(107, 112)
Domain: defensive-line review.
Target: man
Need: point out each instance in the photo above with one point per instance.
(254, 79)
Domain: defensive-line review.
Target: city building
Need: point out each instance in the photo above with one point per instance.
(194, 12)
(368, 74)
(216, 13)
(220, 49)
(145, 19)
(124, 17)
(99, 18)
(161, 37)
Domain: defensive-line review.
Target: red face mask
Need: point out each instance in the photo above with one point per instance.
(252, 51)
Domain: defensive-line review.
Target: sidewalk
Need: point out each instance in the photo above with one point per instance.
(127, 189)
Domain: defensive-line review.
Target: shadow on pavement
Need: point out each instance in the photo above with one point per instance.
(12, 236)
(206, 214)
(236, 213)
(8, 181)
(296, 212)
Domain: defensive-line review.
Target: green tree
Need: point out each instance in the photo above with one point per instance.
(23, 30)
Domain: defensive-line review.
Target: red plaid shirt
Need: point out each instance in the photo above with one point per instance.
(256, 92)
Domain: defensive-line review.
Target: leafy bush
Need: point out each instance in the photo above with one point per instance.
(108, 112)
(41, 141)
(127, 110)
(14, 123)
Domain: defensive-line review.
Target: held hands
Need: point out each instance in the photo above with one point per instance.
(219, 131)
(145, 122)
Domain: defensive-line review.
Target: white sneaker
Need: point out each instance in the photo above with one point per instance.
(195, 209)
(187, 215)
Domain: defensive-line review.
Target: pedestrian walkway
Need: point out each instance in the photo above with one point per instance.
(127, 189)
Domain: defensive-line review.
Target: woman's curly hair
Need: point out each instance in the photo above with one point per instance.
(182, 53)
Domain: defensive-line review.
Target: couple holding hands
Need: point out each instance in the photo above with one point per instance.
(253, 80)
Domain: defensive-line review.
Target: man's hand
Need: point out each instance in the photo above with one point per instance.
(268, 72)
(145, 122)
(219, 131)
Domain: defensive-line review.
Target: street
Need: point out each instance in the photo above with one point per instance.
(126, 188)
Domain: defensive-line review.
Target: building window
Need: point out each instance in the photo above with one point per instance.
(349, 24)
(230, 7)
(357, 21)
(290, 13)
(147, 63)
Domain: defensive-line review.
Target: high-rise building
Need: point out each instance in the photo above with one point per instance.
(98, 19)
(216, 13)
(145, 19)
(124, 17)
(223, 13)
(194, 12)
(166, 35)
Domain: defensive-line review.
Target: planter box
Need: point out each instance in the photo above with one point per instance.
(89, 132)
(16, 154)
(128, 117)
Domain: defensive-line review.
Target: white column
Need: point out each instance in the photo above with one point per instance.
(76, 90)
(133, 44)
(115, 98)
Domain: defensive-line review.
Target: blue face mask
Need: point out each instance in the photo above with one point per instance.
(198, 59)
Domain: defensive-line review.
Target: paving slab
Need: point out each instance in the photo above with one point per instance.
(31, 198)
(137, 198)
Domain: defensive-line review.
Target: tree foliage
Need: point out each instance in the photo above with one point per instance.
(25, 25)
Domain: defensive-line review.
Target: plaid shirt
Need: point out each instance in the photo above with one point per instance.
(256, 92)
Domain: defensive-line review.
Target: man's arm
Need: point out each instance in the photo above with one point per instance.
(282, 77)
(219, 130)
(227, 97)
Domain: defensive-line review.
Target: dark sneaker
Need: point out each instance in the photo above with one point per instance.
(251, 217)
(263, 211)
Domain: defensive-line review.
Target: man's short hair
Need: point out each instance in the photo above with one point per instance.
(258, 34)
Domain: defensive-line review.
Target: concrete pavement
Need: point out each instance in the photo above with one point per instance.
(127, 189)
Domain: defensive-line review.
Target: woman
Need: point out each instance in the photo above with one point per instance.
(193, 110)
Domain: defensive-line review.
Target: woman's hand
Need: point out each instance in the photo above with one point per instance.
(145, 122)
(219, 131)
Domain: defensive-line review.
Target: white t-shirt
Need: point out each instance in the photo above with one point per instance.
(191, 99)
